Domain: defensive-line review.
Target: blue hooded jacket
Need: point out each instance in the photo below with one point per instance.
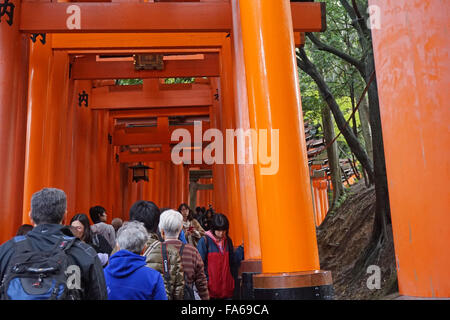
(128, 278)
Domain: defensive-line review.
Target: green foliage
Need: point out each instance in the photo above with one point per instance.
(311, 100)
(128, 82)
(338, 74)
(178, 80)
(341, 199)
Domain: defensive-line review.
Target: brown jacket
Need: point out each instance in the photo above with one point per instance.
(193, 267)
(196, 234)
(154, 259)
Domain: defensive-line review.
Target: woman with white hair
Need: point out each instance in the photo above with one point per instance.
(170, 225)
(127, 276)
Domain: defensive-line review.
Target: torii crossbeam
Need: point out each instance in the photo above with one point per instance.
(75, 17)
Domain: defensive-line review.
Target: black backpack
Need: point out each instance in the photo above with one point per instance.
(39, 275)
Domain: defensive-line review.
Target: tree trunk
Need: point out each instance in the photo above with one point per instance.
(352, 98)
(364, 118)
(333, 155)
(382, 226)
(383, 214)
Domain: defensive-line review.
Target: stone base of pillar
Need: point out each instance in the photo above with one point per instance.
(307, 285)
(248, 269)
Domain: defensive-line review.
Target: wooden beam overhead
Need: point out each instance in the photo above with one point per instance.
(195, 175)
(54, 17)
(140, 41)
(127, 157)
(151, 136)
(82, 17)
(201, 186)
(136, 51)
(160, 112)
(86, 68)
(104, 98)
(309, 16)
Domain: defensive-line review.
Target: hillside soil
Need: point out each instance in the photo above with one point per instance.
(342, 238)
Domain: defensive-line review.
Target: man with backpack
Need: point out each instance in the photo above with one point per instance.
(170, 226)
(49, 263)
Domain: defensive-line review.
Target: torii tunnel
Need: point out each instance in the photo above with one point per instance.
(65, 123)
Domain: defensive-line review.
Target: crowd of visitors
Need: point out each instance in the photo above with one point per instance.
(158, 254)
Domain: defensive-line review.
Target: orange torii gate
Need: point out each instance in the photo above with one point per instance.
(411, 50)
(256, 87)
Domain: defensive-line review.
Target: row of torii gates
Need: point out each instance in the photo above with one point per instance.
(65, 124)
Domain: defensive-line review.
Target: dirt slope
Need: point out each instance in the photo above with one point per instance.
(343, 236)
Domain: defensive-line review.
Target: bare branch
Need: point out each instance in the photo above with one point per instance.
(355, 7)
(359, 23)
(344, 56)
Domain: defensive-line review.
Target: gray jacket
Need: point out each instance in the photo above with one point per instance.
(107, 231)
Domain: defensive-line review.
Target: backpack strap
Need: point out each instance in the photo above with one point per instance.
(166, 266)
(230, 256)
(181, 249)
(206, 255)
(95, 240)
(65, 243)
(206, 244)
(151, 247)
(22, 245)
(165, 258)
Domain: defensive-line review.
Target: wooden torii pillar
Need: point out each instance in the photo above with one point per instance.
(317, 178)
(290, 263)
(40, 65)
(13, 117)
(411, 49)
(194, 186)
(251, 265)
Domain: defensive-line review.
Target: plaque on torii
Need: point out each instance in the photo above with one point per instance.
(148, 62)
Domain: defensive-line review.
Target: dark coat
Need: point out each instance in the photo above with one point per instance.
(45, 237)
